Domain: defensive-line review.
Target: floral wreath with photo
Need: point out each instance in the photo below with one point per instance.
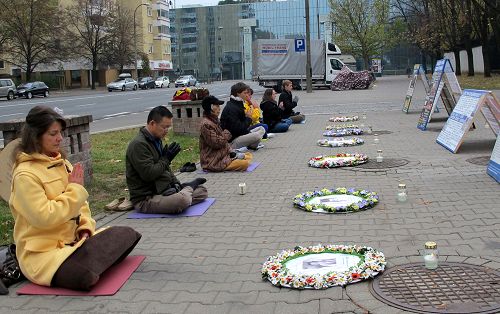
(341, 142)
(344, 119)
(338, 160)
(341, 127)
(369, 200)
(372, 262)
(343, 132)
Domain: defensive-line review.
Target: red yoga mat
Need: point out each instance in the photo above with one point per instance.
(110, 282)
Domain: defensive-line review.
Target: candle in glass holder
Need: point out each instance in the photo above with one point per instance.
(242, 188)
(402, 195)
(431, 256)
(369, 130)
(380, 157)
(375, 139)
(363, 116)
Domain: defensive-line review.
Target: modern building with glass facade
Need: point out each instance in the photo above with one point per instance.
(209, 40)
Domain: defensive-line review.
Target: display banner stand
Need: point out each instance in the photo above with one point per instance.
(418, 71)
(494, 164)
(461, 119)
(444, 85)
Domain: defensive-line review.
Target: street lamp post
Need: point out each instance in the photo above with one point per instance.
(135, 40)
(220, 56)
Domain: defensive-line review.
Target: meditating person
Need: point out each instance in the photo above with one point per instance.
(215, 152)
(273, 114)
(252, 108)
(237, 122)
(152, 185)
(288, 103)
(57, 244)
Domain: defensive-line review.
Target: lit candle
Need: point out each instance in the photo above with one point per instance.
(431, 257)
(402, 196)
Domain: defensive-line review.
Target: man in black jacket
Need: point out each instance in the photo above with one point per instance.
(289, 103)
(235, 120)
(153, 187)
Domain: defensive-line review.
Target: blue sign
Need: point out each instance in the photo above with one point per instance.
(300, 45)
(494, 164)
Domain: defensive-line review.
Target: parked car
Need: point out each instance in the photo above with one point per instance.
(7, 89)
(147, 82)
(162, 81)
(29, 90)
(186, 80)
(122, 83)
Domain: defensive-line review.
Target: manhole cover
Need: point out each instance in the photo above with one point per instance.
(380, 132)
(480, 161)
(452, 288)
(386, 163)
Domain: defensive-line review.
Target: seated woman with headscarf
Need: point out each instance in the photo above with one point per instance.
(215, 152)
(57, 244)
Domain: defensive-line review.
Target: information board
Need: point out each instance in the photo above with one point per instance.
(461, 119)
(418, 70)
(494, 164)
(439, 81)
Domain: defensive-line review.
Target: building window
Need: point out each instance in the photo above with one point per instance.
(150, 28)
(150, 11)
(150, 49)
(2, 65)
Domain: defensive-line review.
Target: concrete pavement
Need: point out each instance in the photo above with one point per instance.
(211, 264)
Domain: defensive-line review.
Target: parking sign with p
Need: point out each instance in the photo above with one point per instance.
(300, 45)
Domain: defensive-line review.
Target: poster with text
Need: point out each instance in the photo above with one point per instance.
(494, 164)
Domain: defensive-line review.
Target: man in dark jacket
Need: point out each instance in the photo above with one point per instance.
(153, 187)
(288, 103)
(236, 121)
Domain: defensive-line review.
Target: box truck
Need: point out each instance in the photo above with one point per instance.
(275, 60)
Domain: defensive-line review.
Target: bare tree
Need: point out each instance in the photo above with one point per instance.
(481, 24)
(119, 49)
(88, 29)
(29, 29)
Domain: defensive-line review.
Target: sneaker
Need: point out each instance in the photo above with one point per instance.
(241, 150)
(270, 135)
(114, 204)
(260, 146)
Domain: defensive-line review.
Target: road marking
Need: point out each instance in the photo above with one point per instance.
(12, 114)
(116, 114)
(135, 98)
(87, 105)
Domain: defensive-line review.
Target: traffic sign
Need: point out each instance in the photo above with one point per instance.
(300, 45)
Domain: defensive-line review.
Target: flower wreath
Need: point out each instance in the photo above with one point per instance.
(344, 119)
(372, 262)
(370, 199)
(341, 127)
(333, 161)
(341, 142)
(343, 132)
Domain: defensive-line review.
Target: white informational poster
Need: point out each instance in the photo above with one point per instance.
(321, 264)
(418, 69)
(460, 120)
(494, 164)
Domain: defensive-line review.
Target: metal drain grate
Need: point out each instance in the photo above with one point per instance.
(452, 288)
(385, 164)
(380, 132)
(480, 161)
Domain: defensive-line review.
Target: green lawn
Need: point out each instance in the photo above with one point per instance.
(108, 160)
(478, 81)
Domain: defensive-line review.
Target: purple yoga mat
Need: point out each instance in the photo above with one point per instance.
(194, 210)
(250, 168)
(109, 283)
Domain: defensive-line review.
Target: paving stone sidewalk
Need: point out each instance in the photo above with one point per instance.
(212, 263)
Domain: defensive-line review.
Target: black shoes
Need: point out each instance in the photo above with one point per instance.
(188, 167)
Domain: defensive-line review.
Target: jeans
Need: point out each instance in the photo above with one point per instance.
(282, 126)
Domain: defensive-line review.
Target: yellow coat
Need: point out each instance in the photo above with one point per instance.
(45, 209)
(255, 113)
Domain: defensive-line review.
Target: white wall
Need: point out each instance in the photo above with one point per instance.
(464, 64)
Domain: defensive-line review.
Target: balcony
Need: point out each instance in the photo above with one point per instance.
(162, 36)
(162, 22)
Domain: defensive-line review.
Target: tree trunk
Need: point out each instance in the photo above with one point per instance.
(470, 57)
(467, 38)
(28, 71)
(486, 60)
(94, 68)
(423, 60)
(458, 68)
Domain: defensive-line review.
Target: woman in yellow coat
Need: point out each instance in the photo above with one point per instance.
(55, 235)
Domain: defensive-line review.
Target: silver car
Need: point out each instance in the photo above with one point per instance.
(162, 81)
(122, 83)
(7, 89)
(186, 80)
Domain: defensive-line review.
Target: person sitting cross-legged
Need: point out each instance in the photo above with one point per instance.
(237, 122)
(153, 187)
(273, 114)
(215, 152)
(288, 103)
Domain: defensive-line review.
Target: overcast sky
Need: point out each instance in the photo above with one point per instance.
(180, 3)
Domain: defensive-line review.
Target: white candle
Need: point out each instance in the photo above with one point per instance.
(242, 188)
(431, 261)
(402, 197)
(380, 158)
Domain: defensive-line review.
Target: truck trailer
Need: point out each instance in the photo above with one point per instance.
(276, 60)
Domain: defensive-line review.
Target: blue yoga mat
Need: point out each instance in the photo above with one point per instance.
(193, 210)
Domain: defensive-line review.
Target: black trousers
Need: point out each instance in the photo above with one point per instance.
(82, 269)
